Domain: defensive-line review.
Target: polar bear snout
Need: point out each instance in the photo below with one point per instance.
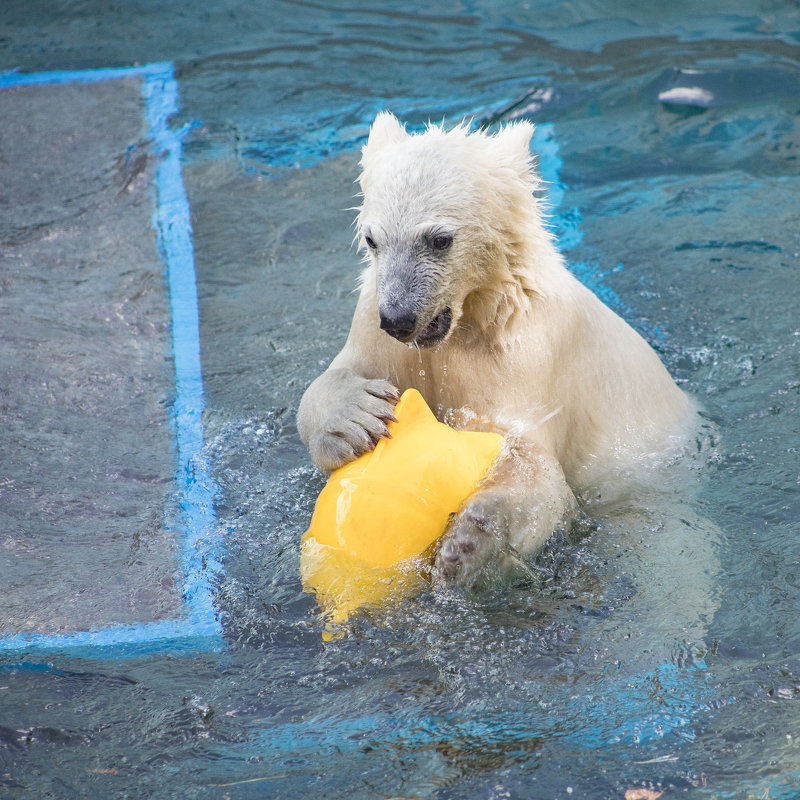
(406, 327)
(400, 325)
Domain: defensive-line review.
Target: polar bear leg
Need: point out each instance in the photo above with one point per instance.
(513, 515)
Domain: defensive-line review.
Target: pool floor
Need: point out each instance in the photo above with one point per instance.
(101, 523)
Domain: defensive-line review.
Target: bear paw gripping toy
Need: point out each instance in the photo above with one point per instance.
(378, 516)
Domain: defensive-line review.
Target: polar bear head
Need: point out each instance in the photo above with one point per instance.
(449, 227)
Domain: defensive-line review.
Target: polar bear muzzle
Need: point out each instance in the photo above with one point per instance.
(402, 327)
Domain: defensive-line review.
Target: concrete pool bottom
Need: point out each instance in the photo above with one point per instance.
(105, 542)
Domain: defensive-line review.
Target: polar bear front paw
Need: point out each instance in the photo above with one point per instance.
(473, 540)
(358, 410)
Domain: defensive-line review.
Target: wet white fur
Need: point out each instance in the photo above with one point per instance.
(531, 352)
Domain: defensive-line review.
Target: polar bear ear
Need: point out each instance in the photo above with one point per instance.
(385, 131)
(514, 147)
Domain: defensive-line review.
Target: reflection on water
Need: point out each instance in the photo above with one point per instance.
(566, 684)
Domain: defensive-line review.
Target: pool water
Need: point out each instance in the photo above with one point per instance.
(670, 140)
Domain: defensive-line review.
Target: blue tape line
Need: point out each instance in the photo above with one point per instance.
(637, 723)
(202, 548)
(567, 221)
(16, 78)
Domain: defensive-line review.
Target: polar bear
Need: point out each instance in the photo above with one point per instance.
(466, 298)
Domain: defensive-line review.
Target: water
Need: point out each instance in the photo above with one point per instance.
(682, 213)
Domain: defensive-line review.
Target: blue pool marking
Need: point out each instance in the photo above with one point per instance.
(199, 628)
(630, 706)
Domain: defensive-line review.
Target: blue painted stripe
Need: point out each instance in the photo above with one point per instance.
(625, 715)
(567, 221)
(16, 78)
(202, 547)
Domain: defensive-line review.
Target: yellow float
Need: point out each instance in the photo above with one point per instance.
(377, 518)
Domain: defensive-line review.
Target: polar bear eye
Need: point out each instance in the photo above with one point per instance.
(370, 242)
(442, 241)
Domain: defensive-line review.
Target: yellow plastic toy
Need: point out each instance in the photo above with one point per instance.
(378, 516)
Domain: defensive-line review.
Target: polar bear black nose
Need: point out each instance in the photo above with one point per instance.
(400, 327)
